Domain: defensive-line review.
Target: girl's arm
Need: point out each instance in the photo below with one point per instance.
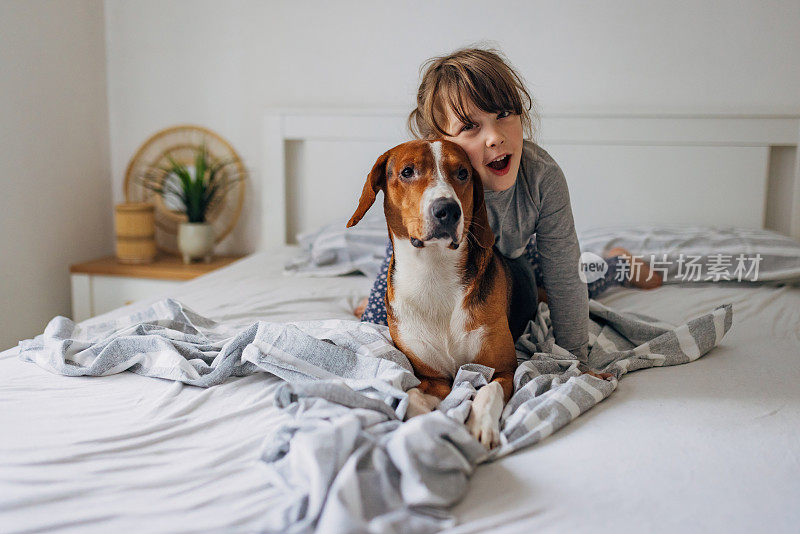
(559, 252)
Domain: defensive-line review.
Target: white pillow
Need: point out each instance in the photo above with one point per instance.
(703, 253)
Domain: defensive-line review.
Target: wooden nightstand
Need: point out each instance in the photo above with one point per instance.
(104, 284)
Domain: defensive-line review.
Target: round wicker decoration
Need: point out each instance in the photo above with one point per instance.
(182, 143)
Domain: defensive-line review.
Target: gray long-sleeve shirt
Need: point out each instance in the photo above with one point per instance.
(538, 203)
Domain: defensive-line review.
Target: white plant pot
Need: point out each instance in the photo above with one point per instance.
(195, 240)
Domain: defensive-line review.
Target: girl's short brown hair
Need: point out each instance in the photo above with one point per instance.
(480, 76)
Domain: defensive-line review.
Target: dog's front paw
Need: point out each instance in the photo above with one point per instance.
(484, 418)
(484, 428)
(420, 403)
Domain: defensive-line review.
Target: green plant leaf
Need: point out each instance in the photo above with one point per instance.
(198, 192)
(200, 162)
(180, 170)
(215, 169)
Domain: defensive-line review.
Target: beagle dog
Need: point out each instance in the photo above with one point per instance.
(451, 297)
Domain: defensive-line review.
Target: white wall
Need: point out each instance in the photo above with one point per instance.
(55, 190)
(233, 59)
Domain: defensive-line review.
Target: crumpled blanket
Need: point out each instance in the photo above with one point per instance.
(346, 460)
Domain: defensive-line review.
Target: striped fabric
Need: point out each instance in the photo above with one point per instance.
(345, 460)
(335, 250)
(680, 253)
(703, 253)
(549, 389)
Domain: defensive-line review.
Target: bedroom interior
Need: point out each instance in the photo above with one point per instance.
(669, 151)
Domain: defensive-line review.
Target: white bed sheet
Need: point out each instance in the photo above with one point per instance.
(709, 446)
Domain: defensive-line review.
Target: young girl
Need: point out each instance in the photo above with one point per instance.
(475, 99)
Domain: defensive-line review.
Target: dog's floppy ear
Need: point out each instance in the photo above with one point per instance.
(479, 224)
(375, 182)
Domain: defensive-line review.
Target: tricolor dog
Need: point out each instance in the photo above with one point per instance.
(451, 297)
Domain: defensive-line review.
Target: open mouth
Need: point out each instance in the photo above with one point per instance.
(500, 165)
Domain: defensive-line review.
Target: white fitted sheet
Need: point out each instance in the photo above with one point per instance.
(709, 446)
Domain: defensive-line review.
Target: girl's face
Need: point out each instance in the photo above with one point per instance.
(493, 142)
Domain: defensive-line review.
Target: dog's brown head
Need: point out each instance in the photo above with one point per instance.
(431, 194)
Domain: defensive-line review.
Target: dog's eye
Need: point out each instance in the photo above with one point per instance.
(408, 172)
(463, 174)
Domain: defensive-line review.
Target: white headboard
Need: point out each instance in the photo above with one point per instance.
(740, 170)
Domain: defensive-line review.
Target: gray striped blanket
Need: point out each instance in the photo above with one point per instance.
(345, 389)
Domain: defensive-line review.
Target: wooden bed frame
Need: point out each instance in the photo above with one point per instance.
(690, 169)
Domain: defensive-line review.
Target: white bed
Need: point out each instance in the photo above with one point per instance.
(705, 447)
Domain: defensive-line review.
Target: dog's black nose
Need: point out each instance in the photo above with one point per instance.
(445, 211)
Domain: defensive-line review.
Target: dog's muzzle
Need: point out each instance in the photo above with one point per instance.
(445, 214)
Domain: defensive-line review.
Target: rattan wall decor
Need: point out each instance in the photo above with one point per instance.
(181, 143)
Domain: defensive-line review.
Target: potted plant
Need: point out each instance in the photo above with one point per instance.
(196, 190)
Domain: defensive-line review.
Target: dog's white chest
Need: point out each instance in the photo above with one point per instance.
(429, 307)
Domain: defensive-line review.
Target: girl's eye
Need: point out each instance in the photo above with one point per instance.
(408, 172)
(467, 127)
(503, 114)
(463, 174)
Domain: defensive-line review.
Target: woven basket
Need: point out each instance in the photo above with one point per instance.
(136, 232)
